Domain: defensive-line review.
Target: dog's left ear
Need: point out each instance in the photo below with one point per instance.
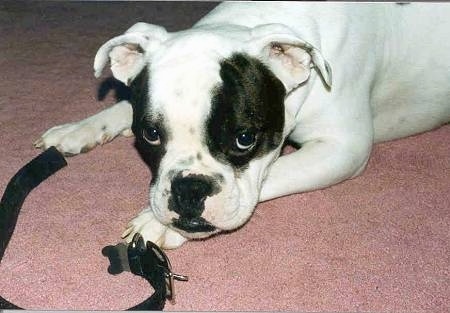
(290, 57)
(128, 52)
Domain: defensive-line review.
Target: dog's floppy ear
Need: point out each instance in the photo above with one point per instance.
(127, 52)
(290, 57)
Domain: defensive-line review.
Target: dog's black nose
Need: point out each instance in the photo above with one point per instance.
(189, 194)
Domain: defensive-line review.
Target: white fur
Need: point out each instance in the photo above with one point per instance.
(391, 77)
(73, 138)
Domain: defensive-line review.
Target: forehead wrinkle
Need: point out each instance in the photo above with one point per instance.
(186, 103)
(183, 97)
(184, 82)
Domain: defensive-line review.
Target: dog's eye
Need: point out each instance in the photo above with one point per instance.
(245, 140)
(151, 135)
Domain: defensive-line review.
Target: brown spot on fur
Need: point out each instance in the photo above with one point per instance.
(87, 148)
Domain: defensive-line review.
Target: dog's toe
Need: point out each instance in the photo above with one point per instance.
(39, 143)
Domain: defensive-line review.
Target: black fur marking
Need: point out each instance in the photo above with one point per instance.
(218, 178)
(251, 99)
(121, 91)
(143, 118)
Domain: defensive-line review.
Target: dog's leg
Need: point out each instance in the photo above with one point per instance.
(318, 164)
(82, 136)
(152, 230)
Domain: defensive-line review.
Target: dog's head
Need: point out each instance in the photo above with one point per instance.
(209, 114)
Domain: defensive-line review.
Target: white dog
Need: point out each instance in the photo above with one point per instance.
(211, 106)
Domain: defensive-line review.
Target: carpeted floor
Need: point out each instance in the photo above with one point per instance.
(379, 242)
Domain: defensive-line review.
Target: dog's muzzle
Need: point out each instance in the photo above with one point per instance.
(188, 201)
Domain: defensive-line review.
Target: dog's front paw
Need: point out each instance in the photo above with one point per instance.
(152, 230)
(74, 138)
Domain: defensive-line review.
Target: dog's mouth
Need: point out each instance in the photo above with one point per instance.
(193, 225)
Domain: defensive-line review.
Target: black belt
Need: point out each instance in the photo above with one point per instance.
(143, 259)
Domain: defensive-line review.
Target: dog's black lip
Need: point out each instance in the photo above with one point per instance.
(193, 225)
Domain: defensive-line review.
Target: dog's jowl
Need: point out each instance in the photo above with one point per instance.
(212, 105)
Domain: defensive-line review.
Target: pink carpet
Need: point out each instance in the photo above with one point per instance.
(376, 243)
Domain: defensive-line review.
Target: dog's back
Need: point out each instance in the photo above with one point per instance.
(411, 93)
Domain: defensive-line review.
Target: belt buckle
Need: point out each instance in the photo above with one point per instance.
(170, 276)
(138, 248)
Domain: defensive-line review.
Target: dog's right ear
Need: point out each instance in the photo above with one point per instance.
(128, 52)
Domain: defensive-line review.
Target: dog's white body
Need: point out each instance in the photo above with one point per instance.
(391, 79)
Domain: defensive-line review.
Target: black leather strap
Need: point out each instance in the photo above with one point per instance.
(26, 179)
(145, 261)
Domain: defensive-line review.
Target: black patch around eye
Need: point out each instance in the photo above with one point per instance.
(143, 120)
(250, 99)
